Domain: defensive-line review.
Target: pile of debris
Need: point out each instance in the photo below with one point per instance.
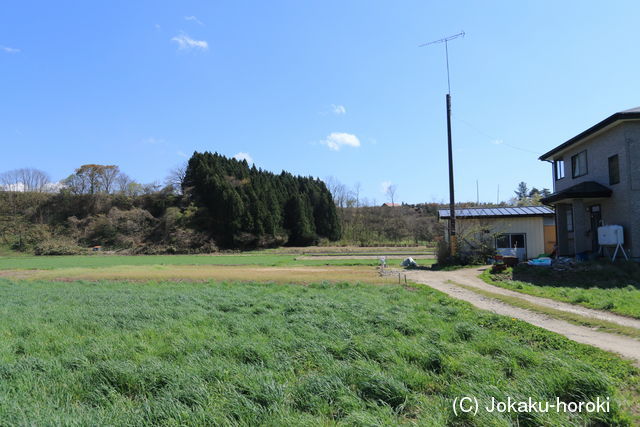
(409, 263)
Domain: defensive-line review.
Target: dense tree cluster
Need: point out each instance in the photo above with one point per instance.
(244, 206)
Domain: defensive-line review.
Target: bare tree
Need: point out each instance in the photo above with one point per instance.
(25, 180)
(150, 188)
(391, 192)
(176, 178)
(108, 175)
(338, 191)
(356, 193)
(127, 186)
(122, 183)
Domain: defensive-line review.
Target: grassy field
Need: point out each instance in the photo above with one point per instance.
(96, 353)
(95, 261)
(142, 273)
(614, 288)
(351, 250)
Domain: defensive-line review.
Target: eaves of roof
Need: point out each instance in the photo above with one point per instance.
(632, 114)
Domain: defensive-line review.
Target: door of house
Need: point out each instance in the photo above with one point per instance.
(513, 244)
(596, 221)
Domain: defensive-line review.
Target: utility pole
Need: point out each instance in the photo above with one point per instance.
(452, 199)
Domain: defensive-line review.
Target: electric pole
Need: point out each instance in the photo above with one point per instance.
(452, 199)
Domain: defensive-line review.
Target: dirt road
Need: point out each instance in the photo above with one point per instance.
(441, 280)
(329, 257)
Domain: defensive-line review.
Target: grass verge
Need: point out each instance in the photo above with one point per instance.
(603, 287)
(576, 319)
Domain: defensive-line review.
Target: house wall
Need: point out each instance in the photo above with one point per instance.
(623, 207)
(533, 227)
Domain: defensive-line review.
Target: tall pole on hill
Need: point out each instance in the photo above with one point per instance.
(452, 198)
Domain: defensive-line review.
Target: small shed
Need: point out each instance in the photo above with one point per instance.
(523, 231)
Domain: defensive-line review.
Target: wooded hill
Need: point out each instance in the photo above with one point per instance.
(217, 203)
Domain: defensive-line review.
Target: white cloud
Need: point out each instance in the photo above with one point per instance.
(186, 43)
(53, 187)
(194, 19)
(181, 154)
(17, 187)
(8, 49)
(243, 156)
(497, 141)
(338, 110)
(336, 140)
(49, 187)
(384, 186)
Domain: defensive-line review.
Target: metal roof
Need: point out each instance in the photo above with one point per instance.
(584, 190)
(498, 212)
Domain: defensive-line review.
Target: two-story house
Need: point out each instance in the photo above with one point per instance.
(596, 177)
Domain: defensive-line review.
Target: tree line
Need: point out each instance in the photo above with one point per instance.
(246, 206)
(212, 202)
(207, 203)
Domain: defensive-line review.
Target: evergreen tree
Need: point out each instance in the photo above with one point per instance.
(240, 204)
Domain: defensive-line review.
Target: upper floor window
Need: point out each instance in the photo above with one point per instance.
(558, 166)
(579, 164)
(614, 170)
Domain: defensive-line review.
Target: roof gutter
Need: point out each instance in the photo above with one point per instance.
(611, 120)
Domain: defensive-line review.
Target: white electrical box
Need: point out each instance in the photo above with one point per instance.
(610, 235)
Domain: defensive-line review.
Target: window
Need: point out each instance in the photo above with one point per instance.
(558, 165)
(510, 241)
(579, 164)
(614, 170)
(569, 219)
(503, 241)
(517, 241)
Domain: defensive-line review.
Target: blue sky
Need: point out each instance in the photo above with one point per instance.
(322, 88)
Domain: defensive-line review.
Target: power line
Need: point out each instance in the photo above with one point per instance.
(495, 139)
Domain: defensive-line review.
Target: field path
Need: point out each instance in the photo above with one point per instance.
(362, 256)
(444, 281)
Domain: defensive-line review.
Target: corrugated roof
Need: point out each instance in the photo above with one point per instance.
(498, 212)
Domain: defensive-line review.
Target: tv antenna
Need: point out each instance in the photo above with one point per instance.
(446, 41)
(452, 199)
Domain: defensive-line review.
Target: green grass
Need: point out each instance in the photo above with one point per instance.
(600, 290)
(118, 353)
(576, 319)
(7, 251)
(95, 261)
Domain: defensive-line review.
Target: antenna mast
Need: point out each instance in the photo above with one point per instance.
(452, 200)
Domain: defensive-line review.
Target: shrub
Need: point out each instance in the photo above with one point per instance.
(464, 256)
(57, 246)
